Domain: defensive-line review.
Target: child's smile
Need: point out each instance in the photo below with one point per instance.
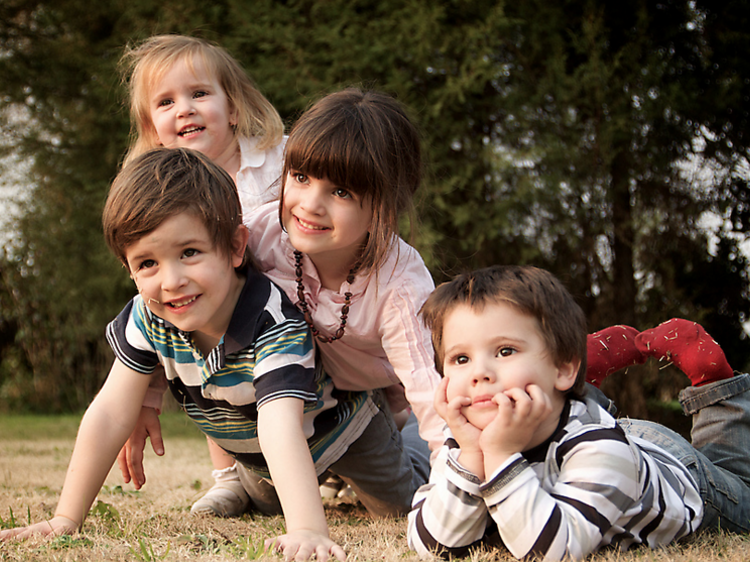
(189, 109)
(327, 222)
(184, 279)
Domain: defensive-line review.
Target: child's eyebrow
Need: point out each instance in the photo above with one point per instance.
(137, 257)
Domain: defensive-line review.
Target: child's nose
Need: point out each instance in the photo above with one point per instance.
(173, 278)
(312, 201)
(185, 107)
(482, 373)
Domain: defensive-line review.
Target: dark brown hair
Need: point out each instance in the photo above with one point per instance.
(165, 182)
(364, 142)
(530, 290)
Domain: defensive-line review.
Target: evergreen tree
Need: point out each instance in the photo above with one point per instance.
(556, 133)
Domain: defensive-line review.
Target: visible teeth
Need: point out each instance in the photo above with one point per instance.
(310, 226)
(191, 130)
(180, 304)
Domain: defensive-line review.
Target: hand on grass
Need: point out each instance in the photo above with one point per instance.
(302, 545)
(58, 525)
(130, 458)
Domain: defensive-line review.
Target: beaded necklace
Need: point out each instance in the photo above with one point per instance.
(306, 311)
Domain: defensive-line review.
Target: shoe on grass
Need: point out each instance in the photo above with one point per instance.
(335, 487)
(224, 499)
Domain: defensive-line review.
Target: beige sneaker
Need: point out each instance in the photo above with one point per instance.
(335, 487)
(224, 499)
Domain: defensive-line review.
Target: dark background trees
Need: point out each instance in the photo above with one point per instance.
(588, 137)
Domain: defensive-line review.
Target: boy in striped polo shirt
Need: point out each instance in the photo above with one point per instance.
(532, 462)
(236, 353)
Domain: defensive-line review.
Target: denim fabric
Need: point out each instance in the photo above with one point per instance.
(719, 457)
(600, 398)
(384, 467)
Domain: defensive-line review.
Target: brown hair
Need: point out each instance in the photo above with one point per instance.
(362, 141)
(143, 65)
(530, 290)
(165, 182)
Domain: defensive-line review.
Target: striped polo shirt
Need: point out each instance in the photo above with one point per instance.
(266, 353)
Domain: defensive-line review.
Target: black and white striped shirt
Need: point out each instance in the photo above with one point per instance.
(588, 486)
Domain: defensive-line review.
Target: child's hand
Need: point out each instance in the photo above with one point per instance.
(130, 457)
(466, 434)
(58, 525)
(303, 544)
(520, 413)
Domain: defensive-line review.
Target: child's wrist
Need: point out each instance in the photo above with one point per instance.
(74, 523)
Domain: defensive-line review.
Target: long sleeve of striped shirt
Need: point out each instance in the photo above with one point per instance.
(588, 486)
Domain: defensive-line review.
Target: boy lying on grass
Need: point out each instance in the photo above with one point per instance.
(534, 463)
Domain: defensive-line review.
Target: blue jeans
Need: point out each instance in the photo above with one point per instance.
(384, 467)
(719, 457)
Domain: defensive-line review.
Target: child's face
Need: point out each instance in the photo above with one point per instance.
(183, 278)
(494, 349)
(324, 221)
(191, 110)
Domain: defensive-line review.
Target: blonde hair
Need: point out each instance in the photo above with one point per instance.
(364, 141)
(143, 66)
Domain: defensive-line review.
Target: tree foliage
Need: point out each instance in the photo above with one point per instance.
(565, 134)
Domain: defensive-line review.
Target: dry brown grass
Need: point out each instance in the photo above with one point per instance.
(155, 524)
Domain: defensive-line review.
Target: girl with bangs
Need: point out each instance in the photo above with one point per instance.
(352, 165)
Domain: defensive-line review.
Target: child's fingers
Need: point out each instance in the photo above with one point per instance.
(441, 399)
(135, 464)
(122, 462)
(540, 402)
(157, 443)
(153, 428)
(338, 553)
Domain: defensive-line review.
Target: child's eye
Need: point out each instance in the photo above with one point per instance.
(459, 359)
(145, 264)
(299, 178)
(505, 351)
(190, 252)
(200, 94)
(164, 103)
(341, 192)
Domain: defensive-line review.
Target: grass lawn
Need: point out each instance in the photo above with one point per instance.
(155, 523)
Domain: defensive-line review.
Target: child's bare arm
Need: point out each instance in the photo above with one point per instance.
(104, 428)
(288, 456)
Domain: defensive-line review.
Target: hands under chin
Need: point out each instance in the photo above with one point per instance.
(516, 427)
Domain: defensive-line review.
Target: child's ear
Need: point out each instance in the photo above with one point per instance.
(239, 243)
(566, 375)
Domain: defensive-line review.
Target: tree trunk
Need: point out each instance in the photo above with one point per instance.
(626, 387)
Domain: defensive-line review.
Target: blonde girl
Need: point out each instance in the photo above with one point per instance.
(187, 92)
